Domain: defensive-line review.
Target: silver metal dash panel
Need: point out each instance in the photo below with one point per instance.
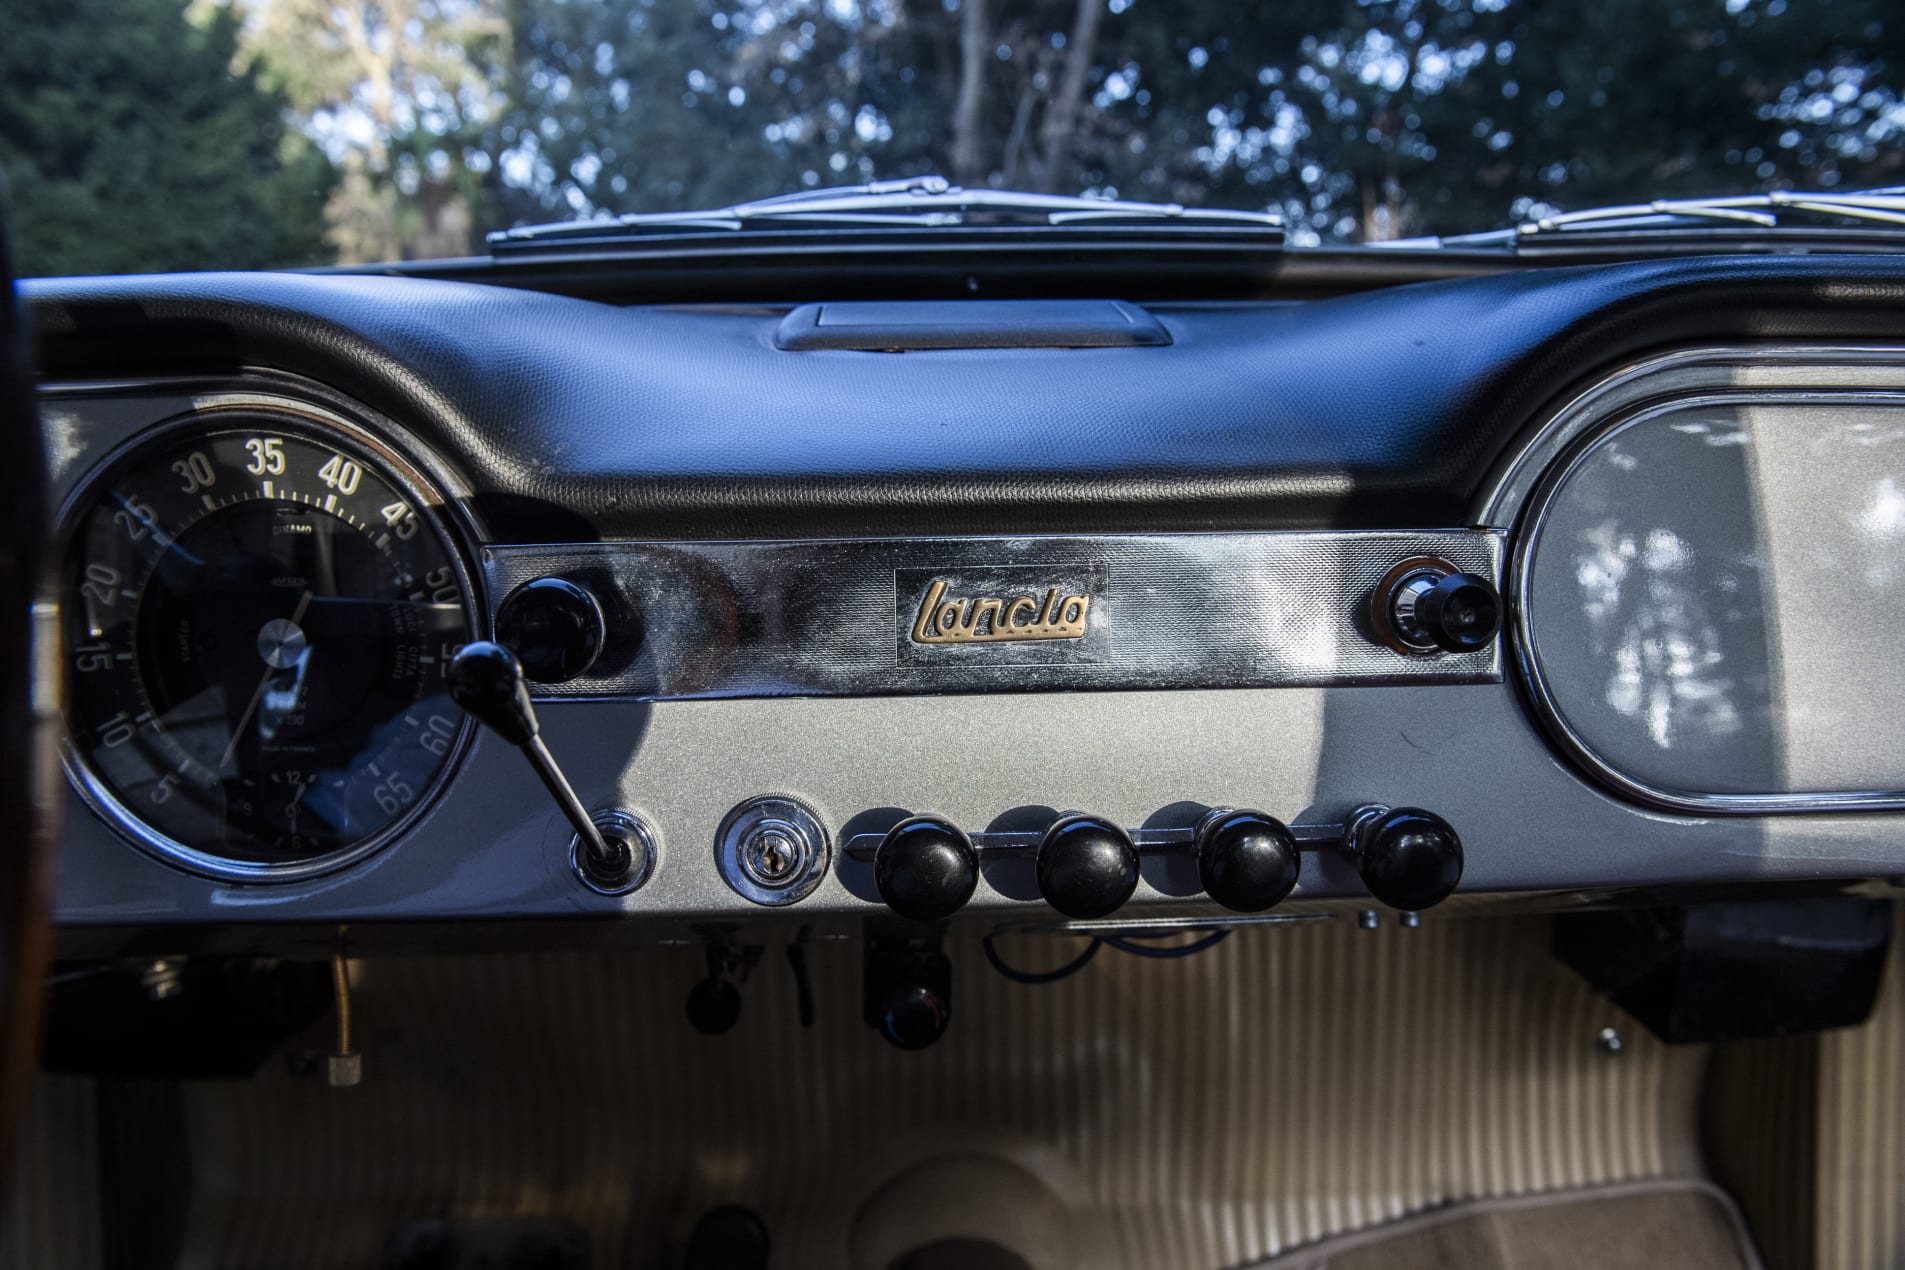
(870, 617)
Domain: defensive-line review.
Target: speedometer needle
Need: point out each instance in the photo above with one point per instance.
(264, 683)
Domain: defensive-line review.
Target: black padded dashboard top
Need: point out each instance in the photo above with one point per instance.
(571, 419)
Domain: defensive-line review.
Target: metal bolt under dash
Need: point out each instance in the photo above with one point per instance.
(345, 1066)
(162, 978)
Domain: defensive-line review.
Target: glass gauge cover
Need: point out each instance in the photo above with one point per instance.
(257, 614)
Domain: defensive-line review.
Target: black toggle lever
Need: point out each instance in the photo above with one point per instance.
(487, 681)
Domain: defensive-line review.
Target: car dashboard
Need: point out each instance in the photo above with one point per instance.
(1540, 589)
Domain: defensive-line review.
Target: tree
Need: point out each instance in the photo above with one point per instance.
(1359, 119)
(629, 103)
(1368, 120)
(395, 92)
(129, 145)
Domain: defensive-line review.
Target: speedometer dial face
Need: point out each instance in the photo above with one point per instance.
(258, 613)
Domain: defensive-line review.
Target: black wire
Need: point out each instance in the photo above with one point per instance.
(1124, 945)
(803, 984)
(1016, 975)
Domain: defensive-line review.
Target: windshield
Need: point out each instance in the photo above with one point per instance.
(141, 135)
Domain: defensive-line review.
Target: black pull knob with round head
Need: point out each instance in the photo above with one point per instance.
(554, 626)
(1460, 613)
(1410, 859)
(913, 1016)
(487, 680)
(1087, 866)
(1247, 861)
(1423, 606)
(925, 869)
(714, 1005)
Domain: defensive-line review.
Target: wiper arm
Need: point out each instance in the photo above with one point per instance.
(916, 202)
(1887, 206)
(1779, 211)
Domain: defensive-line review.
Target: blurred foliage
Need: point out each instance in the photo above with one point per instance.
(133, 143)
(396, 92)
(128, 144)
(1358, 120)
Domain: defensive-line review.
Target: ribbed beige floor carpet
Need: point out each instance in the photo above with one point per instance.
(1861, 1133)
(1631, 1226)
(1291, 1083)
(1808, 1132)
(52, 1216)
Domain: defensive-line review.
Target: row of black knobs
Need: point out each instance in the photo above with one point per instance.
(1087, 867)
(926, 869)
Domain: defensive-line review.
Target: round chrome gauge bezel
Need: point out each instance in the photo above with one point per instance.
(454, 537)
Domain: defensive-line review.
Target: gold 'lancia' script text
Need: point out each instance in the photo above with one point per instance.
(945, 619)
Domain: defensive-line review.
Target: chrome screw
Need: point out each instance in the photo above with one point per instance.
(162, 979)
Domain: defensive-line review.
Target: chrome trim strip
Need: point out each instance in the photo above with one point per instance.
(1527, 485)
(309, 411)
(843, 617)
(1506, 494)
(1156, 925)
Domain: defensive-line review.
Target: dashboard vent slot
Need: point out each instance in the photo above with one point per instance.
(893, 326)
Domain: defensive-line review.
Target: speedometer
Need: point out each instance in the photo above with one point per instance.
(258, 608)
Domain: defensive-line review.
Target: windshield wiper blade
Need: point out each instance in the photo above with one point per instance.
(922, 202)
(1755, 217)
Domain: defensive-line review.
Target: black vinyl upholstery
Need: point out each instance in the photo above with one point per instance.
(574, 419)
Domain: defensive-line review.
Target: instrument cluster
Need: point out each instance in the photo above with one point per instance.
(258, 605)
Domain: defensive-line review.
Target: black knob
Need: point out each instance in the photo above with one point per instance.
(487, 680)
(555, 628)
(1409, 858)
(1087, 867)
(926, 869)
(913, 1016)
(1248, 861)
(726, 1238)
(1460, 613)
(1423, 605)
(906, 990)
(714, 1006)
